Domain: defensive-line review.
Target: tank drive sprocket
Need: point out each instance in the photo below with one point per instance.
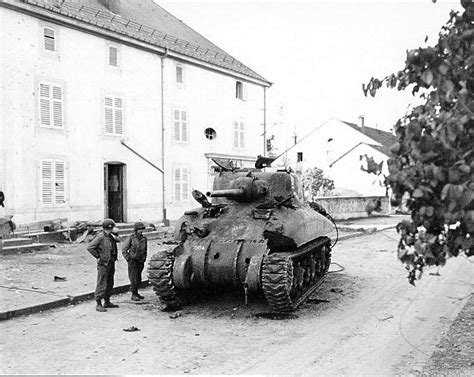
(289, 279)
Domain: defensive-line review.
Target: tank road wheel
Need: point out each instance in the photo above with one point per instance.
(160, 275)
(288, 279)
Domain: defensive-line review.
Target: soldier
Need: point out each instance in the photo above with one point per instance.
(104, 248)
(134, 251)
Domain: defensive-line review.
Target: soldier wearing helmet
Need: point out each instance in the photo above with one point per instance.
(104, 248)
(134, 251)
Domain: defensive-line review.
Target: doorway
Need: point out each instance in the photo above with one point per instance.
(113, 191)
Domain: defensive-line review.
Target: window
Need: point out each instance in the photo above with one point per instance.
(239, 135)
(181, 184)
(299, 157)
(49, 41)
(180, 125)
(113, 109)
(240, 90)
(210, 133)
(53, 183)
(179, 74)
(113, 56)
(51, 105)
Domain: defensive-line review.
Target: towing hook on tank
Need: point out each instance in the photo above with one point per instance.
(246, 293)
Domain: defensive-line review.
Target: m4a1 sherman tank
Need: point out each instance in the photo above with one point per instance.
(257, 234)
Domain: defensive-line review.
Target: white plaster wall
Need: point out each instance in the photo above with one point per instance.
(81, 67)
(209, 98)
(348, 174)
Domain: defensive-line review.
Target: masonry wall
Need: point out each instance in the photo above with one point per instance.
(81, 67)
(209, 100)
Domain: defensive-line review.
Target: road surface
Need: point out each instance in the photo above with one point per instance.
(365, 319)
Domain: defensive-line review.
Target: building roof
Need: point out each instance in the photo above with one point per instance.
(384, 138)
(386, 151)
(147, 22)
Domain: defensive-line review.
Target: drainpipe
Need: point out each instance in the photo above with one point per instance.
(163, 197)
(264, 121)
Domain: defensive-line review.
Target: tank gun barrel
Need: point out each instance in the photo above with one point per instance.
(229, 193)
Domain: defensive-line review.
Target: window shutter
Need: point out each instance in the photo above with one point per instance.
(113, 56)
(184, 127)
(57, 107)
(49, 41)
(177, 185)
(59, 183)
(118, 116)
(47, 182)
(241, 141)
(109, 117)
(185, 184)
(45, 115)
(177, 126)
(236, 135)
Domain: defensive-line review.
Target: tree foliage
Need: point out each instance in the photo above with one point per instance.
(434, 154)
(316, 183)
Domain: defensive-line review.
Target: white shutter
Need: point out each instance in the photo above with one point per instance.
(244, 91)
(184, 126)
(57, 106)
(113, 56)
(46, 182)
(118, 116)
(177, 185)
(45, 105)
(177, 125)
(109, 117)
(59, 183)
(236, 135)
(184, 184)
(49, 39)
(242, 133)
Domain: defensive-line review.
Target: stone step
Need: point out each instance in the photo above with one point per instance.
(16, 242)
(24, 248)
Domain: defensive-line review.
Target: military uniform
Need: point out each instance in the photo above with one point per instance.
(135, 251)
(104, 248)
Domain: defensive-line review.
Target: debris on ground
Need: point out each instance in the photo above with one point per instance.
(59, 278)
(131, 329)
(175, 315)
(336, 290)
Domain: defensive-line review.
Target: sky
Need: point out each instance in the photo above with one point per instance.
(318, 54)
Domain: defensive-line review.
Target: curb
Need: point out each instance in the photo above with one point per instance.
(364, 233)
(73, 300)
(69, 300)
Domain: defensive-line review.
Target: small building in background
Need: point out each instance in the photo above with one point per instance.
(343, 150)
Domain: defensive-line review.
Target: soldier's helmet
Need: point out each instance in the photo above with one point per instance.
(108, 224)
(138, 225)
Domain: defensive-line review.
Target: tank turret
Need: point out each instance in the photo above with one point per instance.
(255, 233)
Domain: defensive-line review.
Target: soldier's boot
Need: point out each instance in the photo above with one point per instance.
(140, 296)
(108, 304)
(135, 297)
(99, 306)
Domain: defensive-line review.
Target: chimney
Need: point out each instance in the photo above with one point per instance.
(111, 5)
(361, 121)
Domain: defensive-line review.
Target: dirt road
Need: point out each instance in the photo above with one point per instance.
(365, 319)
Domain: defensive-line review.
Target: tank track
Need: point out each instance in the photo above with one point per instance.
(289, 279)
(160, 275)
